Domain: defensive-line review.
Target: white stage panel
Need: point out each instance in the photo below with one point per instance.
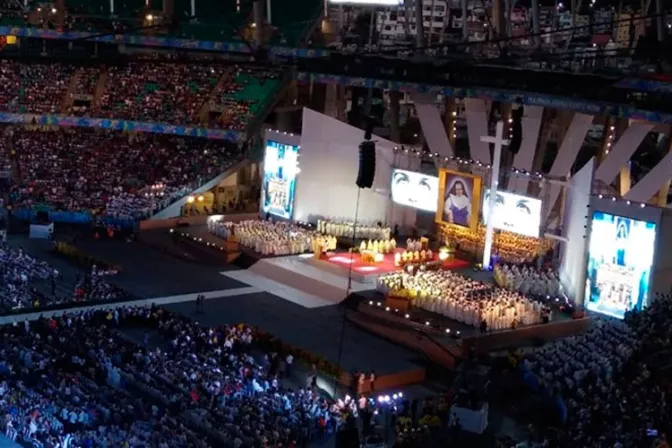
(573, 253)
(567, 153)
(432, 125)
(531, 122)
(329, 162)
(621, 152)
(277, 289)
(651, 183)
(476, 111)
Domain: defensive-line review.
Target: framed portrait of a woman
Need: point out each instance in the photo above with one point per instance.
(459, 199)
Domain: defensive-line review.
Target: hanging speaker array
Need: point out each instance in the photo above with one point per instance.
(367, 164)
(367, 158)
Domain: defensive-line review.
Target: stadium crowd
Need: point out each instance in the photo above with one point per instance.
(77, 380)
(42, 87)
(26, 282)
(112, 173)
(158, 92)
(172, 92)
(611, 381)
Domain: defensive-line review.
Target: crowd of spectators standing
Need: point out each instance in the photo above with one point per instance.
(613, 381)
(112, 173)
(77, 380)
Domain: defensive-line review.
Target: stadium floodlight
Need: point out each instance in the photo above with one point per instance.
(368, 2)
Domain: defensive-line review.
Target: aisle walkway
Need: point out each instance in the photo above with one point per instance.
(6, 443)
(234, 292)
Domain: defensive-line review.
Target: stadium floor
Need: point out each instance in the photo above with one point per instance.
(148, 273)
(7, 443)
(145, 272)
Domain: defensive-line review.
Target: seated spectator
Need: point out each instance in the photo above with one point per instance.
(43, 86)
(76, 378)
(244, 92)
(112, 173)
(30, 283)
(607, 380)
(158, 92)
(174, 92)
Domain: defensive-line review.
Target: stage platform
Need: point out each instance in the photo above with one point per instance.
(299, 279)
(436, 327)
(340, 262)
(312, 282)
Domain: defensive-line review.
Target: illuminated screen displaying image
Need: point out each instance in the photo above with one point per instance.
(620, 257)
(415, 190)
(513, 213)
(280, 169)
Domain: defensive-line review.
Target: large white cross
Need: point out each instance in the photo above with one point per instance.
(499, 141)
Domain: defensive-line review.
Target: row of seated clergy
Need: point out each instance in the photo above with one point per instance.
(463, 299)
(347, 229)
(323, 243)
(407, 256)
(379, 247)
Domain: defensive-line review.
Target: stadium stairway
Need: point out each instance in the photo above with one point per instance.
(100, 89)
(270, 101)
(205, 109)
(68, 97)
(12, 157)
(174, 209)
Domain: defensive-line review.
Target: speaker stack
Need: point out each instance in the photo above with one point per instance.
(367, 159)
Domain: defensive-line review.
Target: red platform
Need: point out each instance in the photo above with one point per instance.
(343, 260)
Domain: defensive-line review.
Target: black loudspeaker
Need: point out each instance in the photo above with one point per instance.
(516, 128)
(367, 164)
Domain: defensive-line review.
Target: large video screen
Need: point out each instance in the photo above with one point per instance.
(620, 256)
(415, 190)
(514, 213)
(280, 169)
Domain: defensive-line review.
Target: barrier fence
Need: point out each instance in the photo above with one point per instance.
(80, 218)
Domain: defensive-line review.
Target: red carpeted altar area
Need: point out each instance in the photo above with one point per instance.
(343, 259)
